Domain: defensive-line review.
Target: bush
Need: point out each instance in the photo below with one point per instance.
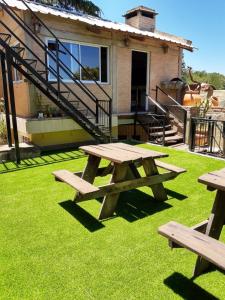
(3, 132)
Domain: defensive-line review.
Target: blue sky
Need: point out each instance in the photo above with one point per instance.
(201, 21)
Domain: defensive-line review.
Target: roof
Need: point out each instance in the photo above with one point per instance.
(99, 22)
(141, 8)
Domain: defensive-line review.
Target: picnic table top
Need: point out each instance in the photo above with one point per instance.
(215, 179)
(121, 153)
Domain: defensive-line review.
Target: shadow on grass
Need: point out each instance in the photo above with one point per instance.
(132, 206)
(87, 220)
(186, 288)
(135, 205)
(46, 158)
(175, 195)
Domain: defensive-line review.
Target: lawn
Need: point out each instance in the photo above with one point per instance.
(52, 249)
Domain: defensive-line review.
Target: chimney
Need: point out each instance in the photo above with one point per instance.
(141, 17)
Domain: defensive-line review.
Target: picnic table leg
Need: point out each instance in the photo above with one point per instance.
(157, 189)
(213, 229)
(90, 170)
(110, 201)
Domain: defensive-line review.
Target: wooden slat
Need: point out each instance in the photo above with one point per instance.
(112, 155)
(74, 181)
(127, 185)
(145, 153)
(169, 167)
(120, 152)
(200, 227)
(213, 181)
(199, 243)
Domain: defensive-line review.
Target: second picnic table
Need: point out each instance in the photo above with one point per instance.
(123, 161)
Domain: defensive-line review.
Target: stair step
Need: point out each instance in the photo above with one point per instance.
(18, 50)
(30, 62)
(5, 36)
(160, 133)
(175, 138)
(159, 128)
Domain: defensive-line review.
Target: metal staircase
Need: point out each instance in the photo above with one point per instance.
(94, 115)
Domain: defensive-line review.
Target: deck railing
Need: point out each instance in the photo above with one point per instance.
(207, 136)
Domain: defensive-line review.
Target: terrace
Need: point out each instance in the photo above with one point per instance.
(55, 249)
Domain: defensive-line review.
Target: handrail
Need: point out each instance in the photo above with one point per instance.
(170, 97)
(156, 103)
(61, 44)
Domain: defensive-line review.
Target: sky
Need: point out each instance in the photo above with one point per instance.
(201, 21)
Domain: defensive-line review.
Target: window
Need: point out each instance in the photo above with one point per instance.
(93, 58)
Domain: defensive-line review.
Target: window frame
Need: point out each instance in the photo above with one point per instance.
(83, 44)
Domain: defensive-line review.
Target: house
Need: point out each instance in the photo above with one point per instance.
(89, 82)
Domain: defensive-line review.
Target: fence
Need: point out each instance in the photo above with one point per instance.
(207, 136)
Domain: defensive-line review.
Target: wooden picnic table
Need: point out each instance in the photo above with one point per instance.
(202, 238)
(123, 162)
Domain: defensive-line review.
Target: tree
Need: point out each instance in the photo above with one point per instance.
(215, 79)
(85, 6)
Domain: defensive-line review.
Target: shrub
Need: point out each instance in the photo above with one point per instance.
(3, 132)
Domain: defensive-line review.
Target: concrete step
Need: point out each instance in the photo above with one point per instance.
(173, 139)
(167, 133)
(159, 128)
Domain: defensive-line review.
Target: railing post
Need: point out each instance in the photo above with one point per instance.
(97, 111)
(110, 120)
(57, 66)
(6, 101)
(223, 135)
(192, 134)
(13, 106)
(163, 140)
(156, 97)
(185, 125)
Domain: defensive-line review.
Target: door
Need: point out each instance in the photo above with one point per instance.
(139, 81)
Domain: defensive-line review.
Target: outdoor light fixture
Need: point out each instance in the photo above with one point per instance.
(126, 41)
(36, 26)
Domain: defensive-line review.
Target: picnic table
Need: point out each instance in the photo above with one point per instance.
(202, 238)
(124, 161)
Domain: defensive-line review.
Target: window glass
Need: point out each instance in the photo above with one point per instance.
(75, 65)
(90, 61)
(94, 60)
(64, 56)
(51, 62)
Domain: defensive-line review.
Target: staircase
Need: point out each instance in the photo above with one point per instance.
(95, 117)
(160, 125)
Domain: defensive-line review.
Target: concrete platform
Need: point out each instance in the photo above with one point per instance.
(26, 151)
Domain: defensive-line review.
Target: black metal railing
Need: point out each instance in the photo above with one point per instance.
(64, 90)
(174, 108)
(154, 126)
(207, 136)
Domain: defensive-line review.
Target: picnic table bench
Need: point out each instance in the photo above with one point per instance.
(123, 161)
(202, 238)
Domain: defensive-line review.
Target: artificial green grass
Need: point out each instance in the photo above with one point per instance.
(52, 249)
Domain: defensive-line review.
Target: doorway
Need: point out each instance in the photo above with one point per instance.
(139, 81)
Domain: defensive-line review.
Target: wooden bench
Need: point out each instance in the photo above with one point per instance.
(208, 248)
(169, 167)
(75, 182)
